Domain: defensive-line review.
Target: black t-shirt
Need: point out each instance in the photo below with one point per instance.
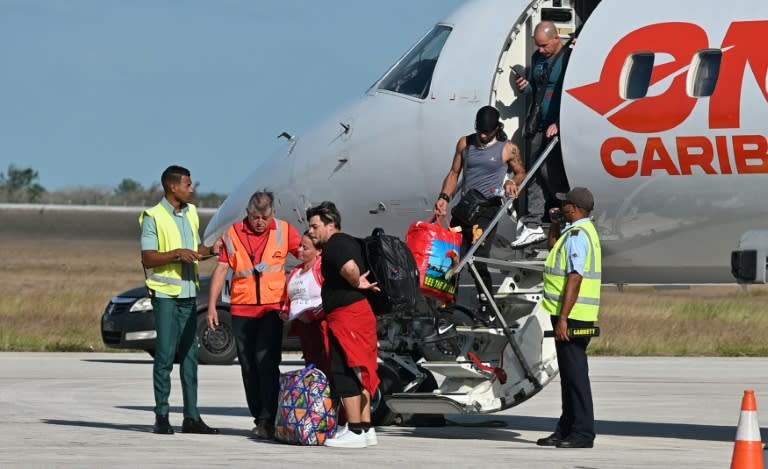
(336, 291)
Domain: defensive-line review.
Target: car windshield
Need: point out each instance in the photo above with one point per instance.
(412, 75)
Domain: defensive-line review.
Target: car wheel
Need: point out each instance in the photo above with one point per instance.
(391, 383)
(217, 347)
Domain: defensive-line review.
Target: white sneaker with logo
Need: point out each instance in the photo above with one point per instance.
(529, 236)
(370, 437)
(347, 439)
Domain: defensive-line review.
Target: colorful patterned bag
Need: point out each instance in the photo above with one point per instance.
(305, 412)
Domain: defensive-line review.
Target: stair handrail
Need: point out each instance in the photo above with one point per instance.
(506, 206)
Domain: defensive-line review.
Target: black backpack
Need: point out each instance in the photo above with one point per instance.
(392, 265)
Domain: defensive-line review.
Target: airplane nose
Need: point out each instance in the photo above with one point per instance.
(273, 174)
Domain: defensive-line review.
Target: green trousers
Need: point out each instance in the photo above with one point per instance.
(176, 324)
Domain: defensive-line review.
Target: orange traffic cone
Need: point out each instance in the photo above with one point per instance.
(748, 450)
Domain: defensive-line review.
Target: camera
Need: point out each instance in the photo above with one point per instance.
(556, 215)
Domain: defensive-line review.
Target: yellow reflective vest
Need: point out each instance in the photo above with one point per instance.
(167, 278)
(555, 275)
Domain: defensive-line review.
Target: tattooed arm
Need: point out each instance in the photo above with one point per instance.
(515, 162)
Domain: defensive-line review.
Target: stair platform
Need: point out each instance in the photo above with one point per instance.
(426, 403)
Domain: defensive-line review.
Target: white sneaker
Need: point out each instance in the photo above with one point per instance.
(341, 430)
(347, 439)
(529, 236)
(370, 437)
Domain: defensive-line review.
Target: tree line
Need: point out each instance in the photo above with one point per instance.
(20, 185)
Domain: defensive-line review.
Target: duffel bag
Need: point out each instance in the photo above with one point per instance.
(305, 411)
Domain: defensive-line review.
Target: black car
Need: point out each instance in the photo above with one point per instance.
(129, 323)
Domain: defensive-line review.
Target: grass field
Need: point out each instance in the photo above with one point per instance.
(53, 293)
(54, 286)
(58, 273)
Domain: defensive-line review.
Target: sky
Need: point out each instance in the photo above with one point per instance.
(96, 91)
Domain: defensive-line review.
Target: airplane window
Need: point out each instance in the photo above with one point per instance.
(636, 75)
(412, 75)
(705, 69)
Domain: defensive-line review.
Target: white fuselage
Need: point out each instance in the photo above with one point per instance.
(677, 179)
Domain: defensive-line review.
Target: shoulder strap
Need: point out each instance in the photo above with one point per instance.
(550, 63)
(563, 64)
(470, 139)
(566, 46)
(318, 271)
(243, 242)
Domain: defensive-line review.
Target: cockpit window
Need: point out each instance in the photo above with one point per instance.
(412, 75)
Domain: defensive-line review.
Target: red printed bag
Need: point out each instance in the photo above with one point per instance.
(436, 249)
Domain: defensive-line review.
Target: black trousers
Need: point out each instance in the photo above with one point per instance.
(346, 383)
(259, 351)
(577, 418)
(470, 233)
(539, 194)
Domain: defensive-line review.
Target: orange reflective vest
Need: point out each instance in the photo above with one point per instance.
(263, 283)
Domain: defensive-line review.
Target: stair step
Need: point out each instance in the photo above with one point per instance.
(453, 369)
(484, 330)
(423, 403)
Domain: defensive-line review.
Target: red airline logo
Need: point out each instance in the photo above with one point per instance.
(670, 109)
(721, 154)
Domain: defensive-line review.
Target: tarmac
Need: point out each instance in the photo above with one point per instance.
(95, 410)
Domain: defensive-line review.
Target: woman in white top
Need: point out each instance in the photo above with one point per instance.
(304, 307)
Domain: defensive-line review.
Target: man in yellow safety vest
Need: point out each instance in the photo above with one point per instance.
(572, 298)
(171, 249)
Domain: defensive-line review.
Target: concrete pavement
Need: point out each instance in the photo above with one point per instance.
(95, 410)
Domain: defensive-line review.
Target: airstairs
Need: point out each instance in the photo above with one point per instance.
(497, 367)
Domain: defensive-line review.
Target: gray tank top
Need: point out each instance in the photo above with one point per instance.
(484, 169)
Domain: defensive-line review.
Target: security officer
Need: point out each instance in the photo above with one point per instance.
(170, 247)
(572, 298)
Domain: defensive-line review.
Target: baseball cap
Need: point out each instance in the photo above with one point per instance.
(580, 197)
(487, 119)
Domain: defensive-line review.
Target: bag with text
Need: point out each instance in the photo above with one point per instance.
(436, 249)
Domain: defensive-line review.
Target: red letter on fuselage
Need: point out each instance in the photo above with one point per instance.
(702, 158)
(652, 113)
(611, 145)
(655, 146)
(721, 141)
(758, 150)
(743, 38)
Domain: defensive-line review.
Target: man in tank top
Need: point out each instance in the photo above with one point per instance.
(484, 158)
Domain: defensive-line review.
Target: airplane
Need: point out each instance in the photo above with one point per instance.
(662, 116)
